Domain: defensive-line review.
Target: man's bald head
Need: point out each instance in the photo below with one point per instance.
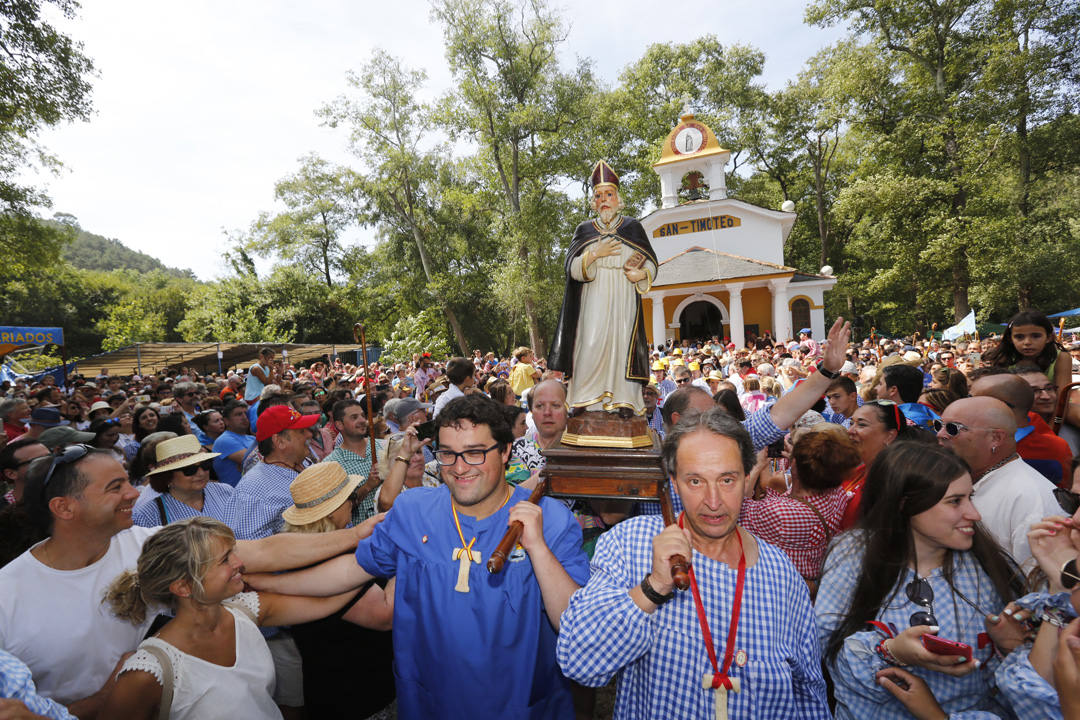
(545, 388)
(985, 428)
(1009, 389)
(985, 411)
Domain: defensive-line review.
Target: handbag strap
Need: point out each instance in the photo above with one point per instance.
(161, 510)
(824, 524)
(242, 608)
(166, 679)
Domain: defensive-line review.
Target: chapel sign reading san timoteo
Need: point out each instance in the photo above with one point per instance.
(715, 222)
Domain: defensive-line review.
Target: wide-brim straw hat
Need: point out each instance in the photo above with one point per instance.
(179, 452)
(318, 491)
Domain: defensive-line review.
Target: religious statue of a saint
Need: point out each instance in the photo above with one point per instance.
(600, 343)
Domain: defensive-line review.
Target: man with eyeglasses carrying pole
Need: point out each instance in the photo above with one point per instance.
(51, 612)
(468, 643)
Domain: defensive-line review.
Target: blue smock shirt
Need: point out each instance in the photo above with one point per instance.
(487, 653)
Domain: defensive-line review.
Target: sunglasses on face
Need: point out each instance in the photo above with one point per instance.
(951, 428)
(680, 381)
(190, 470)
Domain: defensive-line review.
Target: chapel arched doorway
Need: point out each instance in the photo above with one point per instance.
(700, 319)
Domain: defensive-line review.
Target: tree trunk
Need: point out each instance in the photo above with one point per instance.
(536, 338)
(455, 325)
(961, 307)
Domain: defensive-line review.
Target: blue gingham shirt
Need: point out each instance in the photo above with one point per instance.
(219, 502)
(261, 496)
(660, 658)
(16, 683)
(762, 431)
(858, 694)
(1030, 695)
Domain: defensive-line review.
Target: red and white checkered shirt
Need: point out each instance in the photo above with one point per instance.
(790, 525)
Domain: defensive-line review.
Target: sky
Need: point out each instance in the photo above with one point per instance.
(200, 107)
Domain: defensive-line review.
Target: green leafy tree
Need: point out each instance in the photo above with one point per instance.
(418, 333)
(401, 192)
(318, 209)
(530, 120)
(44, 81)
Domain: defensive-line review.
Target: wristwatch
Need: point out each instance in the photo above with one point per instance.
(402, 459)
(654, 597)
(826, 371)
(1069, 575)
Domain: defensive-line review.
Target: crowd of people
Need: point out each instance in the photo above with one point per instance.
(881, 527)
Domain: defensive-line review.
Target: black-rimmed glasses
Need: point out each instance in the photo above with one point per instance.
(446, 458)
(67, 455)
(921, 593)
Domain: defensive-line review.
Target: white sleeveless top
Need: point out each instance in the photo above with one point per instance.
(205, 691)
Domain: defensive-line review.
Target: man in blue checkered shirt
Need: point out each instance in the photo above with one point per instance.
(770, 423)
(263, 492)
(628, 621)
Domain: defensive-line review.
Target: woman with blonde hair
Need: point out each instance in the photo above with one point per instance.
(335, 652)
(210, 660)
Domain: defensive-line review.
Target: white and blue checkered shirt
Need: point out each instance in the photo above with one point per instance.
(762, 431)
(219, 503)
(660, 658)
(17, 684)
(261, 496)
(858, 695)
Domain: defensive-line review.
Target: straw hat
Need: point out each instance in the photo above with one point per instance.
(318, 491)
(179, 452)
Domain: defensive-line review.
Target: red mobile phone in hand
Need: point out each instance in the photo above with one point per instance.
(941, 646)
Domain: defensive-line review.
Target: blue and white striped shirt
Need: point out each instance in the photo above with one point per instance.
(660, 658)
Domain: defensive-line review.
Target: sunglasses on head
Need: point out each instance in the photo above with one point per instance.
(190, 470)
(64, 456)
(898, 416)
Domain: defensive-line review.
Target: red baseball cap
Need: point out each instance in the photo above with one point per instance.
(280, 418)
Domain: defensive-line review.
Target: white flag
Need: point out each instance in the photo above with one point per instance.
(964, 327)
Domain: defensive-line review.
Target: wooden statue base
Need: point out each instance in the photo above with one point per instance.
(608, 430)
(610, 473)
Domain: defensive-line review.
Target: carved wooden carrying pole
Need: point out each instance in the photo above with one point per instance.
(358, 336)
(513, 533)
(1062, 406)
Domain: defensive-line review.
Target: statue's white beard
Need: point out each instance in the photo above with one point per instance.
(608, 214)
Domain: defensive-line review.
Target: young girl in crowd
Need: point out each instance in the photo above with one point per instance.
(220, 665)
(1029, 340)
(919, 565)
